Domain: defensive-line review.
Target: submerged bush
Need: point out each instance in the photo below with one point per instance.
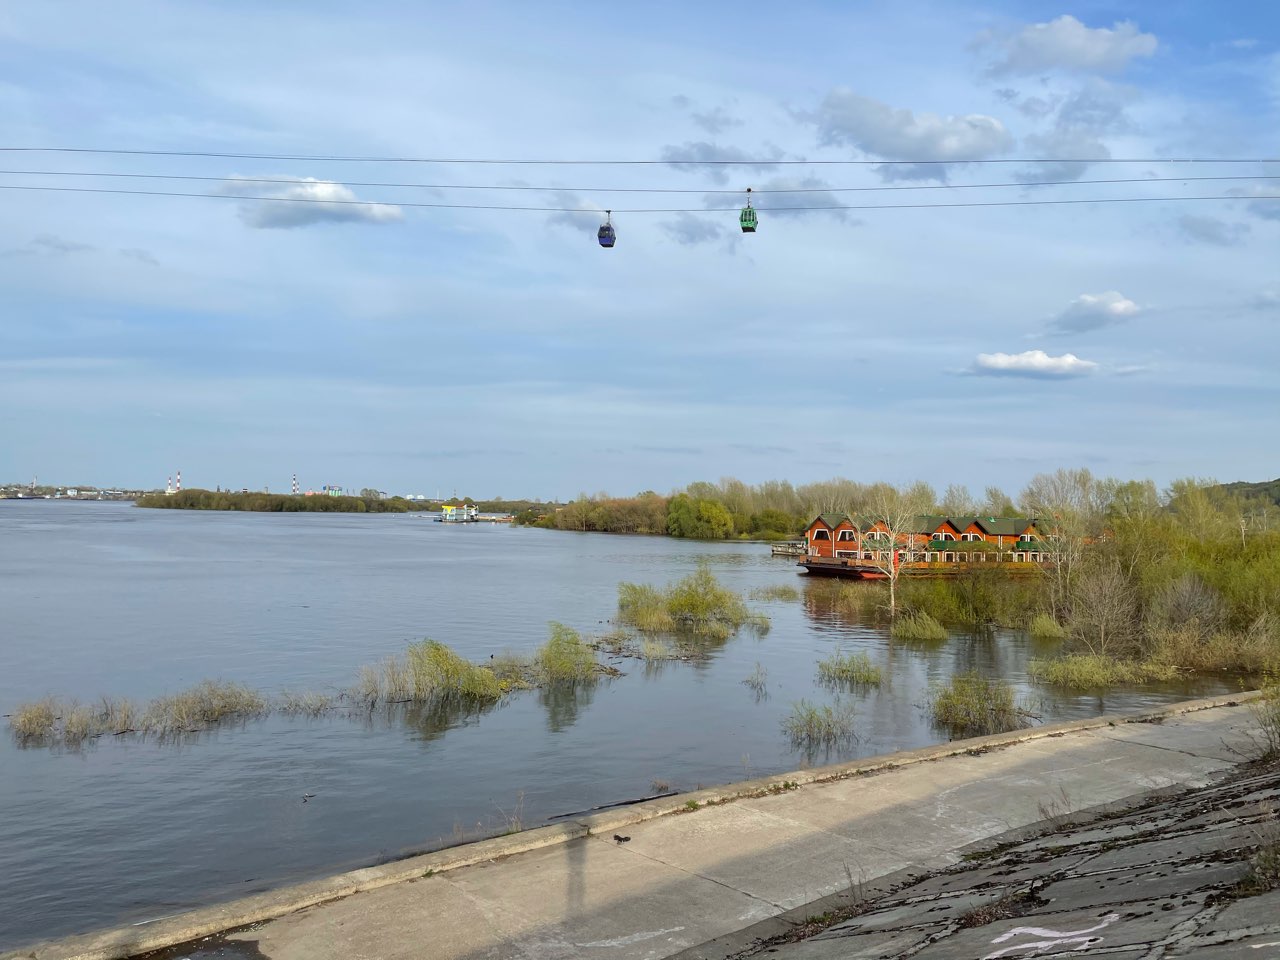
(970, 706)
(1266, 712)
(855, 669)
(565, 657)
(917, 628)
(811, 725)
(437, 671)
(1086, 671)
(696, 605)
(781, 591)
(1044, 627)
(208, 702)
(33, 722)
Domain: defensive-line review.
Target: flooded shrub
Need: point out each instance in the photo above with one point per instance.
(651, 649)
(1086, 671)
(34, 722)
(781, 591)
(565, 658)
(1044, 627)
(758, 680)
(854, 669)
(697, 605)
(208, 702)
(119, 715)
(1250, 651)
(308, 703)
(512, 670)
(917, 628)
(814, 725)
(79, 723)
(437, 671)
(970, 706)
(1189, 605)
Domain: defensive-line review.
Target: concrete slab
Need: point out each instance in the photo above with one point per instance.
(1064, 932)
(864, 946)
(1190, 734)
(1125, 886)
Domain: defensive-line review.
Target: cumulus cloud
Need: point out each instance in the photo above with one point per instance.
(303, 202)
(1266, 300)
(812, 196)
(701, 156)
(716, 120)
(845, 118)
(1067, 44)
(1035, 364)
(48, 245)
(689, 229)
(1091, 311)
(1211, 230)
(142, 256)
(576, 212)
(1073, 145)
(1265, 208)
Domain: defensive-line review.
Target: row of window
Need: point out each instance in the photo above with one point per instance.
(845, 536)
(947, 556)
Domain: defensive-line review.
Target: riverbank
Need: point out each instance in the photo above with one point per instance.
(657, 878)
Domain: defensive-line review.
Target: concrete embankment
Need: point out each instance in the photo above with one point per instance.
(657, 878)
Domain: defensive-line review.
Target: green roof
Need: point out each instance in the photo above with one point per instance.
(928, 523)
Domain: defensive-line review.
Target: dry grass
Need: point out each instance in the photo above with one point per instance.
(1044, 627)
(307, 703)
(34, 722)
(208, 702)
(651, 649)
(758, 680)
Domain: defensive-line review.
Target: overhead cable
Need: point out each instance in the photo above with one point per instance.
(593, 211)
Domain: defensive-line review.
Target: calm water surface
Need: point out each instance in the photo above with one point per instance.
(105, 598)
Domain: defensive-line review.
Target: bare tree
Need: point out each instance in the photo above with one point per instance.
(959, 502)
(1069, 507)
(894, 516)
(1105, 614)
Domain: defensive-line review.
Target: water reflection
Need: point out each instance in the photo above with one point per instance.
(564, 701)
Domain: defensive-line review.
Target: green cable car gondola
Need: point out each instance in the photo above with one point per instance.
(747, 220)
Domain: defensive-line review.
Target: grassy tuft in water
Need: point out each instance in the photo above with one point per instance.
(1085, 671)
(813, 725)
(781, 591)
(854, 669)
(565, 657)
(758, 681)
(696, 605)
(308, 703)
(438, 672)
(969, 705)
(208, 702)
(917, 628)
(34, 722)
(651, 649)
(1044, 627)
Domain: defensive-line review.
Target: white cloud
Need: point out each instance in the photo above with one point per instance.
(814, 197)
(574, 212)
(1212, 230)
(48, 244)
(1032, 363)
(1266, 207)
(702, 156)
(690, 229)
(304, 202)
(1090, 311)
(846, 118)
(1067, 44)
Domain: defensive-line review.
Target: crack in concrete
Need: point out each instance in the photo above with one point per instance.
(1156, 746)
(779, 908)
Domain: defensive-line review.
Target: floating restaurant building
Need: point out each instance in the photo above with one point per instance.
(840, 545)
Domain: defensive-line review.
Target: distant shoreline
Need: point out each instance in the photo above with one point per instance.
(275, 502)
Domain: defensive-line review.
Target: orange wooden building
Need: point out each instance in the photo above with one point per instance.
(840, 544)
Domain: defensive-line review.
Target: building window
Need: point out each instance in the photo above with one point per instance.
(970, 537)
(944, 535)
(821, 535)
(846, 535)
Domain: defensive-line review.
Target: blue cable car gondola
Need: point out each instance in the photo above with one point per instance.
(748, 218)
(606, 234)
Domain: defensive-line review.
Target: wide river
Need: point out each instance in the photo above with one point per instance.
(108, 599)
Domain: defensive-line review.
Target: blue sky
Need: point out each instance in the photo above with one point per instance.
(505, 354)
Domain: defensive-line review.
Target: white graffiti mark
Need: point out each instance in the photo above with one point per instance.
(1073, 940)
(633, 939)
(1259, 946)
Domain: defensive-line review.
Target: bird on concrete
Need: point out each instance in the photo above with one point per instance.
(621, 839)
(307, 796)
